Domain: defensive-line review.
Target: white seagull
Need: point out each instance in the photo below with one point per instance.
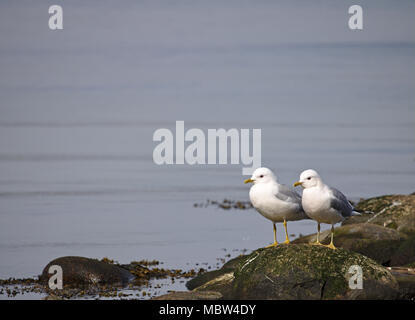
(274, 201)
(323, 203)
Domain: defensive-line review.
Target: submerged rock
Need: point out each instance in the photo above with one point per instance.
(309, 272)
(78, 271)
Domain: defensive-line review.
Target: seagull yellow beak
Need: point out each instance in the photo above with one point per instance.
(248, 181)
(298, 183)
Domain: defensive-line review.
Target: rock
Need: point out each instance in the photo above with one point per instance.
(406, 281)
(405, 254)
(190, 295)
(374, 241)
(52, 297)
(394, 212)
(218, 280)
(85, 271)
(222, 284)
(203, 278)
(391, 211)
(309, 272)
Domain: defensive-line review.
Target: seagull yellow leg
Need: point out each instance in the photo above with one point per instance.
(318, 243)
(275, 238)
(331, 245)
(287, 240)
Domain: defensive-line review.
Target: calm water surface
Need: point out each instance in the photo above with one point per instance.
(78, 109)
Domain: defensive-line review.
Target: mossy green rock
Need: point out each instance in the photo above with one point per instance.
(309, 272)
(376, 242)
(391, 211)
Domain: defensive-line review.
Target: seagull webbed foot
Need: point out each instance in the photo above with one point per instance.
(331, 246)
(272, 245)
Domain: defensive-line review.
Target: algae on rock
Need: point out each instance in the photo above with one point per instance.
(392, 211)
(309, 272)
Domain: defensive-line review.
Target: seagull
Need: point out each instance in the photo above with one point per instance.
(274, 201)
(323, 203)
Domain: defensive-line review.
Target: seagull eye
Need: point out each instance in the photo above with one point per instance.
(309, 178)
(261, 176)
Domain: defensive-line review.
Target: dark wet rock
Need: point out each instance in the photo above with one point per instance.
(220, 280)
(222, 284)
(203, 278)
(405, 253)
(406, 280)
(391, 211)
(78, 271)
(309, 272)
(190, 295)
(374, 241)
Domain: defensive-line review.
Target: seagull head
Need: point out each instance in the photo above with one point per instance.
(262, 175)
(308, 179)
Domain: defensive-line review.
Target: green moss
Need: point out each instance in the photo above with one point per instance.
(392, 211)
(319, 271)
(394, 206)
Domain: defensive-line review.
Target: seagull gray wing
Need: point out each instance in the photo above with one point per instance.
(339, 202)
(286, 193)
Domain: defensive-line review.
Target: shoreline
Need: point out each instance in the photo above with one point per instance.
(389, 219)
